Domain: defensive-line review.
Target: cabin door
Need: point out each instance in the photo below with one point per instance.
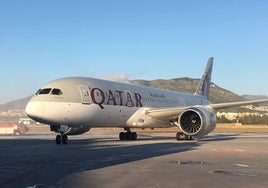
(85, 94)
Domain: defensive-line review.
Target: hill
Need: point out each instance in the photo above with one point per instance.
(254, 97)
(19, 104)
(189, 85)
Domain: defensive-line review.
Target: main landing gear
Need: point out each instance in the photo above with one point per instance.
(182, 136)
(128, 135)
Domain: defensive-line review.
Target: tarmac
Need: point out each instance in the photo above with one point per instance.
(218, 160)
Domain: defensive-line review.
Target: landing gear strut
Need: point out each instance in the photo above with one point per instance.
(128, 135)
(182, 136)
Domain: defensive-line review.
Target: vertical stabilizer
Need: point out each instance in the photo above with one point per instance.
(204, 84)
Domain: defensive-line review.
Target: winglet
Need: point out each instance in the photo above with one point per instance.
(204, 84)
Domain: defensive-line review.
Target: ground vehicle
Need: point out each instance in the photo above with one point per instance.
(11, 128)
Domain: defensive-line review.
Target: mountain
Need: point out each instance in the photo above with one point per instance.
(189, 85)
(254, 97)
(19, 104)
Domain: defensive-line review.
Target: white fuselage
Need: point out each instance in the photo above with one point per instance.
(100, 103)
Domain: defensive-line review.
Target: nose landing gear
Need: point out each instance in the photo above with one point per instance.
(62, 138)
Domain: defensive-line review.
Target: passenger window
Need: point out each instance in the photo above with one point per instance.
(56, 92)
(44, 91)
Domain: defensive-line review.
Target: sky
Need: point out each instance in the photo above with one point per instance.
(42, 41)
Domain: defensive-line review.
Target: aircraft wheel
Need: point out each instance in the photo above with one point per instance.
(134, 136)
(178, 136)
(128, 135)
(122, 136)
(131, 135)
(58, 139)
(187, 137)
(182, 136)
(64, 139)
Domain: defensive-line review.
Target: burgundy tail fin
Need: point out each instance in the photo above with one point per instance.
(204, 84)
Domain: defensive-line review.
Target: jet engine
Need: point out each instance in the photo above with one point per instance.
(71, 130)
(197, 121)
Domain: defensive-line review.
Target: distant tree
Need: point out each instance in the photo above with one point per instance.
(223, 119)
(254, 119)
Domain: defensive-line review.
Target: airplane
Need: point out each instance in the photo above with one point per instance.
(74, 105)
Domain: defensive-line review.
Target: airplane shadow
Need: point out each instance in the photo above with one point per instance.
(218, 137)
(86, 154)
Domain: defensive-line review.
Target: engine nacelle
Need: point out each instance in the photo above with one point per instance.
(197, 121)
(71, 130)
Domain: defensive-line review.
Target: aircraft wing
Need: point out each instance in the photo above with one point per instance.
(233, 104)
(169, 113)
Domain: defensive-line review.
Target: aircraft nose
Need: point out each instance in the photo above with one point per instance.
(34, 110)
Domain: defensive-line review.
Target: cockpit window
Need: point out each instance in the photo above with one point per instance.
(37, 91)
(44, 91)
(56, 92)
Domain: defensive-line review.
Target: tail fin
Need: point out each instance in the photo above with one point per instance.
(204, 84)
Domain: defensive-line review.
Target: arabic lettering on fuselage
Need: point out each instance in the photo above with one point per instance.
(159, 95)
(117, 97)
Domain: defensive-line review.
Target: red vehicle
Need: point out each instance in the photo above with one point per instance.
(10, 128)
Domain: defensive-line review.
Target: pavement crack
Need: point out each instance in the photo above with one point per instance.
(146, 175)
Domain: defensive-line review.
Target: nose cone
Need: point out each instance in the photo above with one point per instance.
(34, 110)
